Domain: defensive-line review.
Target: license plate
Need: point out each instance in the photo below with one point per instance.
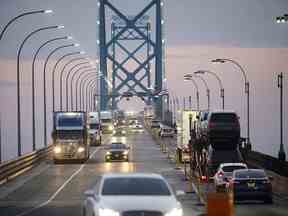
(251, 185)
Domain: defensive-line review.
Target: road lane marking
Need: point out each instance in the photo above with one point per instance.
(59, 189)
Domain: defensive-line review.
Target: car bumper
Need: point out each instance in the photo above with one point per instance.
(252, 195)
(116, 158)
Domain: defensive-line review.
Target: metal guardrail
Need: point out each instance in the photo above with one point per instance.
(11, 169)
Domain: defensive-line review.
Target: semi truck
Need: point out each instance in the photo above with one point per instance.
(70, 137)
(107, 124)
(94, 128)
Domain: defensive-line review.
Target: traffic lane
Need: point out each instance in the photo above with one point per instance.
(38, 189)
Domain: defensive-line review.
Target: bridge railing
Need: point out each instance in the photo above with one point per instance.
(11, 169)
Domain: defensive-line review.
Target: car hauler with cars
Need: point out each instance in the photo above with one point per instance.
(70, 136)
(94, 128)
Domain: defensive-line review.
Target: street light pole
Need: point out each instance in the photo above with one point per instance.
(82, 70)
(18, 82)
(81, 88)
(247, 91)
(22, 15)
(44, 87)
(33, 87)
(281, 153)
(197, 89)
(66, 82)
(219, 81)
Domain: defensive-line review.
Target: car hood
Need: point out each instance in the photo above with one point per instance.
(128, 203)
(117, 150)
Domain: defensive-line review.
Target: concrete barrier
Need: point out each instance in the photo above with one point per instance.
(220, 204)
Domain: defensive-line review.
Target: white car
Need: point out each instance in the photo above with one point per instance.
(224, 174)
(132, 194)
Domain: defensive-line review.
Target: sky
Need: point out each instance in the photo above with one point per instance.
(195, 32)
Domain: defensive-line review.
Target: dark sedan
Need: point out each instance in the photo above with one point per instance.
(117, 152)
(251, 184)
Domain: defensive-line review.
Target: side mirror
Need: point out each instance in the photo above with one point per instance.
(180, 193)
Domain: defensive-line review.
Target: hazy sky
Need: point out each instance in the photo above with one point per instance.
(196, 31)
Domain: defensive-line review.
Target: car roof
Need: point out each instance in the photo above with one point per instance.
(249, 170)
(132, 175)
(232, 164)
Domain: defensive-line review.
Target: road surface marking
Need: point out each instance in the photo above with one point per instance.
(59, 189)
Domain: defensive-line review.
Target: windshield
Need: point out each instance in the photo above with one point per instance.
(250, 174)
(224, 117)
(135, 186)
(94, 126)
(118, 146)
(70, 120)
(232, 168)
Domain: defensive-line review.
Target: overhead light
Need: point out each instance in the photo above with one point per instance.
(82, 52)
(60, 26)
(48, 11)
(69, 37)
(76, 45)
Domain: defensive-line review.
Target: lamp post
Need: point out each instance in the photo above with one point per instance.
(281, 153)
(82, 70)
(18, 81)
(197, 89)
(67, 81)
(33, 85)
(93, 90)
(81, 88)
(219, 81)
(69, 62)
(206, 85)
(44, 86)
(88, 86)
(22, 15)
(247, 86)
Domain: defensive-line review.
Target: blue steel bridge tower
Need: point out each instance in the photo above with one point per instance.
(131, 69)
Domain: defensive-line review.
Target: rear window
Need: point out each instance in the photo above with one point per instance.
(232, 168)
(250, 174)
(135, 186)
(224, 117)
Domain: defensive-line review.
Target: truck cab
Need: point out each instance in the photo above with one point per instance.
(94, 128)
(70, 137)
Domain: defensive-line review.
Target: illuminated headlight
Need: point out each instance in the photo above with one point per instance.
(113, 131)
(175, 212)
(108, 212)
(108, 153)
(57, 149)
(125, 152)
(110, 128)
(123, 132)
(81, 149)
(123, 139)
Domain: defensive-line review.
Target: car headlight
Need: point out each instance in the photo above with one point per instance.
(123, 132)
(108, 212)
(125, 152)
(175, 212)
(80, 149)
(110, 128)
(57, 149)
(108, 153)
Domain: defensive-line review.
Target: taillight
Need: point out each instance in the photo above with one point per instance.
(211, 125)
(220, 174)
(204, 178)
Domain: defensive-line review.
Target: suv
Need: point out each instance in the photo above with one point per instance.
(217, 157)
(223, 130)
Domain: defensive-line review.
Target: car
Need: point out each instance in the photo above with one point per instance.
(132, 194)
(136, 128)
(117, 152)
(222, 129)
(251, 184)
(155, 124)
(224, 173)
(166, 132)
(119, 132)
(217, 157)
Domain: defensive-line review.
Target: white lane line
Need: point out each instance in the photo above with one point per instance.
(59, 189)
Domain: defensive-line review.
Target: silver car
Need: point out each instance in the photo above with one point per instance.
(133, 194)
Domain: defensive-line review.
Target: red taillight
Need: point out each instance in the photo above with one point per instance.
(211, 125)
(204, 178)
(220, 174)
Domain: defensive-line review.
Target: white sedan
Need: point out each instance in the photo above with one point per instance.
(133, 194)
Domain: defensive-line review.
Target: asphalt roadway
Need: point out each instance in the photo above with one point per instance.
(59, 189)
